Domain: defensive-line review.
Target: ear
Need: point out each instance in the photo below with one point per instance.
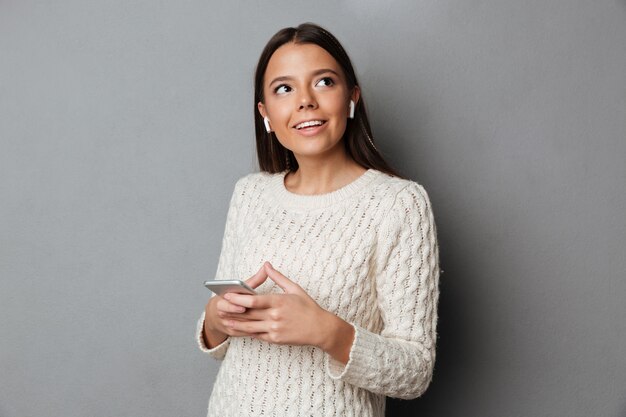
(261, 107)
(356, 94)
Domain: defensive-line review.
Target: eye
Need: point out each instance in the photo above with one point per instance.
(326, 82)
(282, 89)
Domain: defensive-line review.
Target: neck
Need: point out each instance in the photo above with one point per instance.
(320, 177)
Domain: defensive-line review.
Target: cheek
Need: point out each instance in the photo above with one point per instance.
(335, 105)
(278, 111)
(340, 127)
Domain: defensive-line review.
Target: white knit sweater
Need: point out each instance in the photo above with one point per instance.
(366, 252)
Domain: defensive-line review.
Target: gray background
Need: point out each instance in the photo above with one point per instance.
(124, 126)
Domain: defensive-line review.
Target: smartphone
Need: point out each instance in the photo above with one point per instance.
(223, 286)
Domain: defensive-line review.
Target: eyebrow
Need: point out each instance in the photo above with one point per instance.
(314, 73)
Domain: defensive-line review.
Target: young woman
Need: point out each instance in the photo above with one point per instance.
(341, 250)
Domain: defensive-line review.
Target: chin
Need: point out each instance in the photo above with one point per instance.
(312, 151)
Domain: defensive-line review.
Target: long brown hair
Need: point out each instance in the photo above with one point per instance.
(274, 157)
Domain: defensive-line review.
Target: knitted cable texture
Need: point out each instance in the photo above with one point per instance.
(368, 253)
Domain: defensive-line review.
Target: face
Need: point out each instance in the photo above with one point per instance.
(306, 100)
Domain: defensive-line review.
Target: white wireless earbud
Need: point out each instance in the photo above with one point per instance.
(266, 121)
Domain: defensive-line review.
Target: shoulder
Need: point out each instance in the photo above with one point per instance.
(253, 183)
(406, 205)
(254, 178)
(400, 193)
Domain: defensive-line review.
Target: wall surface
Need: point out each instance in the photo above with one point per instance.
(125, 124)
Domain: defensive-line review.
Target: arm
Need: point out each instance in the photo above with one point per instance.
(399, 362)
(217, 341)
(214, 347)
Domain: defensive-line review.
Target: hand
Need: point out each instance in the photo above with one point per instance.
(290, 318)
(218, 308)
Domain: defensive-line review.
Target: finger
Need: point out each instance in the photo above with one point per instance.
(282, 281)
(247, 326)
(227, 307)
(234, 333)
(250, 301)
(262, 336)
(250, 314)
(258, 278)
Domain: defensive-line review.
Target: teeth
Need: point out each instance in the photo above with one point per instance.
(310, 123)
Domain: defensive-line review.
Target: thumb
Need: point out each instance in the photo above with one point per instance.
(258, 278)
(282, 281)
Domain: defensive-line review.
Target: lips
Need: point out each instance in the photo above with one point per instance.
(309, 124)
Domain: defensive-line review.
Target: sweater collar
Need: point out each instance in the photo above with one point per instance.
(286, 198)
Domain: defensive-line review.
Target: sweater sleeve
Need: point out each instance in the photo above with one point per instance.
(399, 361)
(225, 268)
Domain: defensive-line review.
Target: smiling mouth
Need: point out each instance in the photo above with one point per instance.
(309, 124)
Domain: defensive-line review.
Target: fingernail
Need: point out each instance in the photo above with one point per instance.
(226, 297)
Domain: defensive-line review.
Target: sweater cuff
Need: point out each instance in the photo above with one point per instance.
(219, 351)
(359, 360)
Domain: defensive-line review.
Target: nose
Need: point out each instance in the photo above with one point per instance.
(307, 100)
